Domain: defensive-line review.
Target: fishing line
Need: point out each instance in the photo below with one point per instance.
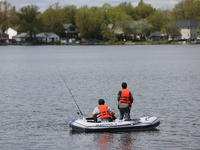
(69, 91)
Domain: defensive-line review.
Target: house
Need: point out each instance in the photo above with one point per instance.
(130, 32)
(70, 31)
(47, 37)
(11, 31)
(188, 28)
(22, 37)
(157, 36)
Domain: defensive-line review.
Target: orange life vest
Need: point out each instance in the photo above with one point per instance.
(125, 96)
(103, 112)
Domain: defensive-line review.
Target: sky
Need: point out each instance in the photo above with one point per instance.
(44, 4)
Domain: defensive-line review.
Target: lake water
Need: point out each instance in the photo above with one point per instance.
(36, 107)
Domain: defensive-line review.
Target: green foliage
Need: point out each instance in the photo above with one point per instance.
(69, 13)
(198, 32)
(128, 9)
(172, 30)
(187, 10)
(107, 33)
(143, 10)
(158, 20)
(28, 19)
(53, 19)
(4, 14)
(14, 18)
(142, 28)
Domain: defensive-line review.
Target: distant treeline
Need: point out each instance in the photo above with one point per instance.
(93, 22)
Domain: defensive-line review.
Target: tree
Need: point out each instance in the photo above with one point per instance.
(143, 10)
(172, 30)
(128, 9)
(142, 28)
(53, 19)
(4, 15)
(198, 32)
(14, 18)
(107, 33)
(28, 19)
(69, 13)
(82, 21)
(187, 10)
(158, 20)
(117, 18)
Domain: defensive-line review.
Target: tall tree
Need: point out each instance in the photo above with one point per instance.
(173, 30)
(143, 10)
(187, 10)
(128, 9)
(142, 28)
(82, 21)
(14, 18)
(4, 15)
(53, 19)
(69, 13)
(158, 20)
(28, 19)
(198, 32)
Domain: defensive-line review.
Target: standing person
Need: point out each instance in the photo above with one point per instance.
(125, 100)
(102, 112)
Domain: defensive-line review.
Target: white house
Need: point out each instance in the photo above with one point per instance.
(47, 37)
(188, 28)
(11, 32)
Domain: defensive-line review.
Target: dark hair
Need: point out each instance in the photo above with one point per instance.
(101, 101)
(124, 85)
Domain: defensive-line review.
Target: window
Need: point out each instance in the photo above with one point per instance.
(188, 27)
(191, 34)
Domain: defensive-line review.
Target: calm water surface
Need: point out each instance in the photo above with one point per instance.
(36, 106)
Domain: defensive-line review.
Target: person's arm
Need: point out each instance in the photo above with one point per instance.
(131, 98)
(95, 112)
(110, 111)
(118, 96)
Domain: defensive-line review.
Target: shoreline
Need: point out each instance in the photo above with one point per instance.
(108, 43)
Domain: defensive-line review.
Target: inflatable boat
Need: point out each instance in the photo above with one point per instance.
(89, 125)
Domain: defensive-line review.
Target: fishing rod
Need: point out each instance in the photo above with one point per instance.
(70, 91)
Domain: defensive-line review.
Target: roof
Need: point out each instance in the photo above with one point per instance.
(156, 34)
(186, 23)
(20, 35)
(46, 34)
(66, 26)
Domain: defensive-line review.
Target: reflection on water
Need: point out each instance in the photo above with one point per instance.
(104, 141)
(127, 141)
(35, 106)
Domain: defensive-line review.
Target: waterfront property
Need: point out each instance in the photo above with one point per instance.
(47, 37)
(188, 28)
(11, 31)
(22, 37)
(156, 36)
(70, 31)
